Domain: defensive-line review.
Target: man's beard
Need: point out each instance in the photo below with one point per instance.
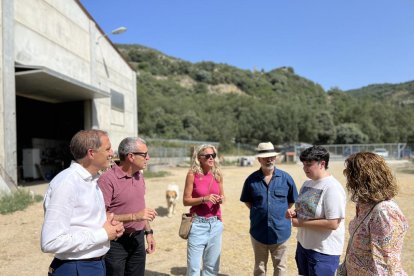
(267, 166)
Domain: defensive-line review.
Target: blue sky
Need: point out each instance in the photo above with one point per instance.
(346, 44)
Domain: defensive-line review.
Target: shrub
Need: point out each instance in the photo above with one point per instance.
(151, 174)
(17, 201)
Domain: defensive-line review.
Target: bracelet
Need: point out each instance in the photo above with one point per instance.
(147, 232)
(202, 199)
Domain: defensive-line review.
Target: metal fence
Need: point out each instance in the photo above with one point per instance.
(173, 152)
(387, 150)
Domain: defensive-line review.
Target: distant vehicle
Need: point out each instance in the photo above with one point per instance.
(246, 161)
(381, 152)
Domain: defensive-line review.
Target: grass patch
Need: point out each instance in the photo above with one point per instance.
(229, 163)
(407, 168)
(150, 174)
(237, 151)
(17, 201)
(409, 171)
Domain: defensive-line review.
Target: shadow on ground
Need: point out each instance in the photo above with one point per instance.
(162, 211)
(154, 273)
(178, 271)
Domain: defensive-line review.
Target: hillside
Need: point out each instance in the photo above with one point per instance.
(217, 102)
(402, 93)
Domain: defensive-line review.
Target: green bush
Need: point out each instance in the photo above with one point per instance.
(16, 201)
(150, 174)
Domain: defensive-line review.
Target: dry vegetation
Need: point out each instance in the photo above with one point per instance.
(19, 239)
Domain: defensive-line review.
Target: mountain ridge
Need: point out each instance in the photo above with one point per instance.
(277, 105)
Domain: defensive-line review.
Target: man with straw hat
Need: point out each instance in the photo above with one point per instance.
(269, 193)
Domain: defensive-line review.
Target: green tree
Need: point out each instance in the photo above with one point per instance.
(350, 133)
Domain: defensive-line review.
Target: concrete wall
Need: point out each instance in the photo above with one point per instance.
(48, 33)
(2, 132)
(59, 35)
(8, 159)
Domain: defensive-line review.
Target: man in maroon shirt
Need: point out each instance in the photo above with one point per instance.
(123, 188)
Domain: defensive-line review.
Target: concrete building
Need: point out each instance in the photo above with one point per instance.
(59, 73)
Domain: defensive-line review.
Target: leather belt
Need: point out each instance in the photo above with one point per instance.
(132, 234)
(94, 259)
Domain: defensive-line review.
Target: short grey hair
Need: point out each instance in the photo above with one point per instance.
(128, 145)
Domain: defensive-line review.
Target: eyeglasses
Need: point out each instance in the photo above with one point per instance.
(208, 156)
(143, 154)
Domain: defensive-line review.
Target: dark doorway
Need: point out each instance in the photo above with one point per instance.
(49, 127)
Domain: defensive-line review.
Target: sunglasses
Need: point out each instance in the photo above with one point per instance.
(143, 154)
(208, 156)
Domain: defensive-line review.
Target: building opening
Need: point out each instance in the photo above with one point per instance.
(43, 134)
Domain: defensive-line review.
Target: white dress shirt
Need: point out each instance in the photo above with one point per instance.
(74, 216)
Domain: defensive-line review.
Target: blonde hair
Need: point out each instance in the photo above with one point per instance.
(195, 164)
(369, 179)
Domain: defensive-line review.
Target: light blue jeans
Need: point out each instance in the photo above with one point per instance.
(204, 244)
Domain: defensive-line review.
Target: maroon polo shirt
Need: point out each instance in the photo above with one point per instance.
(123, 194)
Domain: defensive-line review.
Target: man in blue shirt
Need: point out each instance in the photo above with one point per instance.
(268, 193)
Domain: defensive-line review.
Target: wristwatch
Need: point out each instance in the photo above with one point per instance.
(147, 232)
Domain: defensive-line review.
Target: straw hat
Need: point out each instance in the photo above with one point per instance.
(266, 150)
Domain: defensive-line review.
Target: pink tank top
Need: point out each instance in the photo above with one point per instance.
(200, 188)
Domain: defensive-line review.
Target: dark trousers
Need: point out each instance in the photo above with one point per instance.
(313, 263)
(126, 256)
(76, 268)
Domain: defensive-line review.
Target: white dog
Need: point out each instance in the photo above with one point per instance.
(172, 194)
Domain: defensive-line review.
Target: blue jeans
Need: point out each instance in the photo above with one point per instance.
(126, 256)
(76, 268)
(310, 262)
(204, 244)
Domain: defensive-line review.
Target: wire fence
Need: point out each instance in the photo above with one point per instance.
(174, 152)
(394, 151)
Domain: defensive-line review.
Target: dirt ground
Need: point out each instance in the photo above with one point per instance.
(20, 232)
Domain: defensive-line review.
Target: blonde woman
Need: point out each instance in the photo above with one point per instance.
(379, 226)
(204, 193)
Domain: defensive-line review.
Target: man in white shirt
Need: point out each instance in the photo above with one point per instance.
(76, 227)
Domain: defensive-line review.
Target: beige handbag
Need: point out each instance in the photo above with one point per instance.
(185, 226)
